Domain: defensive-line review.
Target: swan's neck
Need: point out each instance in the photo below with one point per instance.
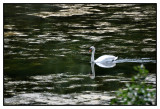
(92, 56)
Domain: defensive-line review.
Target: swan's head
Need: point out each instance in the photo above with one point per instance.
(92, 48)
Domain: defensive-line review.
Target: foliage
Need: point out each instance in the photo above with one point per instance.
(137, 92)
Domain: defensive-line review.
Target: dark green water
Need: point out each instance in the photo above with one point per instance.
(46, 58)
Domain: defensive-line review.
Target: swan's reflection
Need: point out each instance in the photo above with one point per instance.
(104, 65)
(92, 75)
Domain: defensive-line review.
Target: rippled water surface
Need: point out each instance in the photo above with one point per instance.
(46, 58)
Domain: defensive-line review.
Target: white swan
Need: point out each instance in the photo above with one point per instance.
(105, 61)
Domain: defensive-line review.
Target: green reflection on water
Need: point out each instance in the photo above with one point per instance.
(52, 40)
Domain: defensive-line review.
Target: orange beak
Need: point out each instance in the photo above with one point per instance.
(90, 50)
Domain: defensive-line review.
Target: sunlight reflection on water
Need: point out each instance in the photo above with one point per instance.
(46, 58)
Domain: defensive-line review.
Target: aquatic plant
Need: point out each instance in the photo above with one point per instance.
(138, 92)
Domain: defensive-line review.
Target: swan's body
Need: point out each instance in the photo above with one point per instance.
(108, 58)
(106, 61)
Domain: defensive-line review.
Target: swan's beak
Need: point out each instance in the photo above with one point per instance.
(90, 50)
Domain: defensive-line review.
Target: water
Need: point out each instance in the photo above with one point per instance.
(46, 58)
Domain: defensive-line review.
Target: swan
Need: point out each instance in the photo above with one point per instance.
(105, 61)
